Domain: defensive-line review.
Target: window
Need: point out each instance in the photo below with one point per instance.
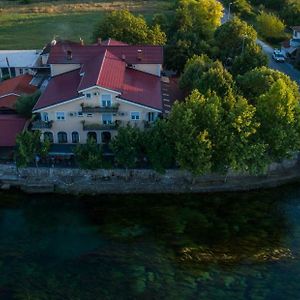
(62, 137)
(45, 117)
(13, 72)
(88, 95)
(80, 114)
(89, 115)
(135, 115)
(107, 118)
(75, 137)
(151, 116)
(106, 100)
(48, 136)
(60, 116)
(21, 71)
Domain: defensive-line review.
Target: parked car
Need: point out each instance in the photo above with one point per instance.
(278, 56)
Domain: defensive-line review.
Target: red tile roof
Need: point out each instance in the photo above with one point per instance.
(12, 88)
(112, 42)
(83, 53)
(60, 89)
(142, 88)
(107, 68)
(10, 125)
(18, 85)
(8, 102)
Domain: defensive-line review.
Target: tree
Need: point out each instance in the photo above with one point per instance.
(202, 73)
(216, 79)
(192, 31)
(216, 134)
(232, 37)
(159, 146)
(25, 104)
(126, 146)
(239, 7)
(193, 70)
(251, 57)
(291, 12)
(89, 155)
(192, 145)
(278, 111)
(29, 145)
(124, 26)
(259, 81)
(270, 26)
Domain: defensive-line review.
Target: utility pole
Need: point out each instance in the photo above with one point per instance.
(8, 66)
(229, 6)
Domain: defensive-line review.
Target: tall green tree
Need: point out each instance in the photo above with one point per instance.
(232, 37)
(25, 104)
(124, 26)
(89, 155)
(201, 73)
(216, 134)
(278, 112)
(159, 146)
(29, 145)
(251, 57)
(258, 81)
(127, 145)
(270, 26)
(192, 31)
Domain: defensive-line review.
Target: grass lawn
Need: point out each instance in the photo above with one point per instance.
(21, 29)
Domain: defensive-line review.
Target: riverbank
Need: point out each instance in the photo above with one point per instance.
(120, 181)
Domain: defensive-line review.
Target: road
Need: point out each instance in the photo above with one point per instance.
(285, 67)
(282, 67)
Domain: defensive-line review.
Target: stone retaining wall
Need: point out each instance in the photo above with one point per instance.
(77, 181)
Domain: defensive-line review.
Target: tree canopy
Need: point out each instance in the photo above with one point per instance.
(234, 36)
(124, 26)
(25, 104)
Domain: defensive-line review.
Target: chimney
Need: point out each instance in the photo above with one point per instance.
(81, 42)
(139, 54)
(99, 41)
(123, 57)
(69, 54)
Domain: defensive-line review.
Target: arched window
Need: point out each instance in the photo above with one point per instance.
(75, 137)
(48, 136)
(62, 137)
(92, 135)
(106, 137)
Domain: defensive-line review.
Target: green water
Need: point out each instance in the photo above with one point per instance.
(232, 246)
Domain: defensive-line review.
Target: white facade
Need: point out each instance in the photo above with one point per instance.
(96, 112)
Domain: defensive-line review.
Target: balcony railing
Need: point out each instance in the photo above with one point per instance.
(100, 126)
(39, 124)
(100, 109)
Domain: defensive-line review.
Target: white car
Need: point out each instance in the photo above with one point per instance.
(278, 56)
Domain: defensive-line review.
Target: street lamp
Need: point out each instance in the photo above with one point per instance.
(229, 6)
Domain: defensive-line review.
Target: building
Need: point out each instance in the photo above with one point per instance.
(11, 124)
(94, 89)
(18, 62)
(291, 47)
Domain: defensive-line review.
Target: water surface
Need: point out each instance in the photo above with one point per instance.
(224, 246)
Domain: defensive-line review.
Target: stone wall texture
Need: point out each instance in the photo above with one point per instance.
(118, 181)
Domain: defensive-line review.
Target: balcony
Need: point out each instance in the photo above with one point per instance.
(100, 109)
(100, 126)
(39, 124)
